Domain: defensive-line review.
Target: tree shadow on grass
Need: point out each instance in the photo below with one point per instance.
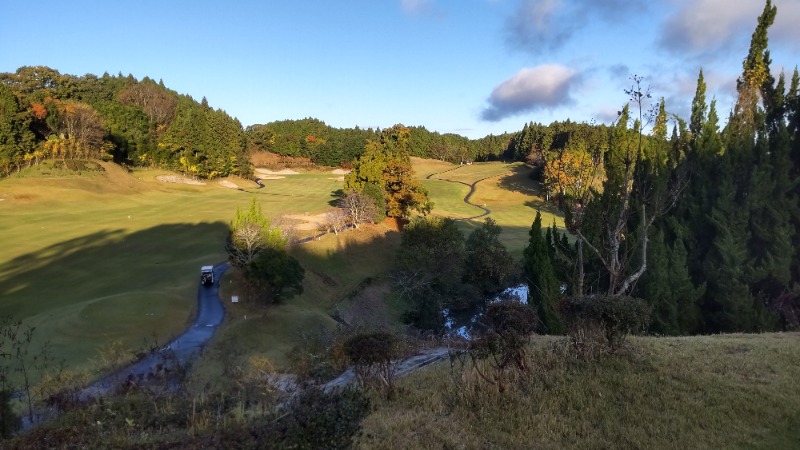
(106, 263)
(519, 180)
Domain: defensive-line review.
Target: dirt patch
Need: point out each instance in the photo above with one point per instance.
(229, 184)
(179, 179)
(340, 172)
(395, 224)
(307, 222)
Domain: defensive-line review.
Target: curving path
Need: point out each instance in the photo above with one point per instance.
(472, 187)
(179, 351)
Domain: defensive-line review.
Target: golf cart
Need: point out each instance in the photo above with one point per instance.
(207, 275)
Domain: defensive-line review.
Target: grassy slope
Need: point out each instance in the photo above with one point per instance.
(728, 391)
(101, 256)
(505, 189)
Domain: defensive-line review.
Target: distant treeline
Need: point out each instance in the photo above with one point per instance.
(45, 114)
(326, 145)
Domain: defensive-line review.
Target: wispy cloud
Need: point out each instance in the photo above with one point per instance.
(538, 26)
(415, 6)
(533, 88)
(706, 27)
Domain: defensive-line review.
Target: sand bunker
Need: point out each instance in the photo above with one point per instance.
(276, 172)
(228, 184)
(337, 179)
(270, 177)
(340, 172)
(178, 179)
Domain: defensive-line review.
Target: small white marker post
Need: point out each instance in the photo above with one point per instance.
(234, 299)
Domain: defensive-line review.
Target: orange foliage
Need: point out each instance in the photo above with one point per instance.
(39, 111)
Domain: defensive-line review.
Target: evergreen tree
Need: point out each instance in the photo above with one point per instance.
(698, 107)
(488, 265)
(543, 286)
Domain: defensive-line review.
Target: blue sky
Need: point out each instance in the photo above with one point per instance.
(472, 67)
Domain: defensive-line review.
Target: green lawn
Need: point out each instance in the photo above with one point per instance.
(100, 256)
(109, 255)
(505, 189)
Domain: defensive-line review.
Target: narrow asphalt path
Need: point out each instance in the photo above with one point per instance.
(472, 187)
(179, 351)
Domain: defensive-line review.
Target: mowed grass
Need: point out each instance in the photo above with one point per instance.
(726, 391)
(334, 268)
(93, 258)
(103, 256)
(505, 189)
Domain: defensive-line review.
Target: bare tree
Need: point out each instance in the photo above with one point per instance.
(336, 220)
(359, 207)
(635, 193)
(157, 103)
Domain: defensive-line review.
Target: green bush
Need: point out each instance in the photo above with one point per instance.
(604, 321)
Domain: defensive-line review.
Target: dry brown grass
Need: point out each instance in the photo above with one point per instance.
(729, 391)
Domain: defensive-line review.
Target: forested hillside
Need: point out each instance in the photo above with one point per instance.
(46, 114)
(326, 145)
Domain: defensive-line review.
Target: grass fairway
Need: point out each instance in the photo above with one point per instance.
(726, 391)
(98, 256)
(101, 256)
(505, 189)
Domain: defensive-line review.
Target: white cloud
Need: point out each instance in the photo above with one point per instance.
(706, 26)
(532, 88)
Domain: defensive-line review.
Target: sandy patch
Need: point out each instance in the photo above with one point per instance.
(337, 179)
(340, 172)
(178, 179)
(271, 177)
(228, 184)
(276, 172)
(307, 221)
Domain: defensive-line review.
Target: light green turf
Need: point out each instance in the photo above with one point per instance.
(113, 255)
(505, 189)
(109, 255)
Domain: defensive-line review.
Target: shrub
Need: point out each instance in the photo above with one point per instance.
(372, 356)
(603, 321)
(507, 326)
(787, 307)
(322, 420)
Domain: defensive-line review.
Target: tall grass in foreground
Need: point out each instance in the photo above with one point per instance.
(728, 391)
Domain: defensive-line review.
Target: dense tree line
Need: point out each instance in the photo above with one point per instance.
(704, 225)
(731, 246)
(46, 114)
(326, 145)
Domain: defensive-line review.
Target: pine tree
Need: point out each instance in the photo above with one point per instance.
(543, 286)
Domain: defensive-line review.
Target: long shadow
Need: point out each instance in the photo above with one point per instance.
(519, 180)
(111, 263)
(105, 263)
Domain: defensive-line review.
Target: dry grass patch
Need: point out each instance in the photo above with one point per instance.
(728, 391)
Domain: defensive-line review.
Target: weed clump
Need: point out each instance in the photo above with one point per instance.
(602, 323)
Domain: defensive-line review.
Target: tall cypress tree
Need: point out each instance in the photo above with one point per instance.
(543, 286)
